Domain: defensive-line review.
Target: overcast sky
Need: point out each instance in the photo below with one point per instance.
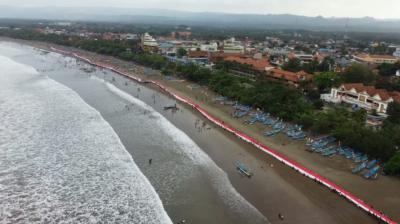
(337, 8)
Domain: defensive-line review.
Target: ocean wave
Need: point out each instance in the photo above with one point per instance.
(61, 162)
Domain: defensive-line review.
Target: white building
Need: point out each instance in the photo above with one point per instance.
(149, 43)
(277, 51)
(210, 47)
(397, 53)
(129, 36)
(148, 40)
(367, 97)
(233, 46)
(301, 56)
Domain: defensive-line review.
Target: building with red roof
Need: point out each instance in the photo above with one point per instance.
(257, 64)
(367, 97)
(220, 56)
(291, 78)
(197, 54)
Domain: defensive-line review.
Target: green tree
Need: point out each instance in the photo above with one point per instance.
(394, 113)
(393, 165)
(181, 52)
(326, 64)
(293, 65)
(326, 80)
(311, 67)
(359, 73)
(386, 69)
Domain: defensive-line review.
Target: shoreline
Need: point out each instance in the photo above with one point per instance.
(282, 158)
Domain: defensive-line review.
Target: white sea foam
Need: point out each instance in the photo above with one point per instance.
(61, 162)
(197, 157)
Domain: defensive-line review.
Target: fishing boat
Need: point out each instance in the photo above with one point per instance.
(239, 113)
(243, 169)
(274, 131)
(372, 173)
(360, 158)
(298, 136)
(359, 168)
(330, 152)
(372, 163)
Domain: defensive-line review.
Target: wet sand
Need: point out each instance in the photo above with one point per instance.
(280, 189)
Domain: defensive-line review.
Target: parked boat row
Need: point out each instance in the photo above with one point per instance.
(327, 146)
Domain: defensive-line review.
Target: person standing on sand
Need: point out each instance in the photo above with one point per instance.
(150, 161)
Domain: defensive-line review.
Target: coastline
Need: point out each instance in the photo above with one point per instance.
(205, 107)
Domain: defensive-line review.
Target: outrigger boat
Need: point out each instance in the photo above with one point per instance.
(372, 163)
(372, 173)
(243, 169)
(360, 167)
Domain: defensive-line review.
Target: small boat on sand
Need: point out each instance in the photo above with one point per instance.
(372, 173)
(372, 163)
(173, 107)
(243, 169)
(360, 167)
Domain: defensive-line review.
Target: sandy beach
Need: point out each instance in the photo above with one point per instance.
(274, 188)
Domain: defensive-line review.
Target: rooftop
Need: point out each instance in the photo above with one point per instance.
(290, 76)
(258, 64)
(372, 91)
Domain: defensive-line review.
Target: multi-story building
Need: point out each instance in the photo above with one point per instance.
(200, 57)
(129, 36)
(209, 47)
(397, 53)
(290, 78)
(233, 46)
(367, 97)
(148, 43)
(301, 56)
(167, 48)
(277, 51)
(375, 59)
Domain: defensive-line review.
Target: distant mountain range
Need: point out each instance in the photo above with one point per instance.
(170, 17)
